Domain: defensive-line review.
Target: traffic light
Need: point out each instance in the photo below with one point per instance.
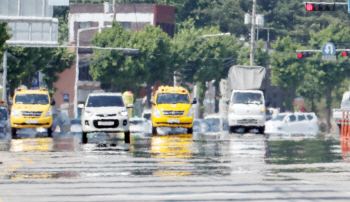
(320, 6)
(305, 54)
(346, 53)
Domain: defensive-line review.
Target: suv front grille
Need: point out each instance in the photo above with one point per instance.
(31, 113)
(173, 113)
(106, 115)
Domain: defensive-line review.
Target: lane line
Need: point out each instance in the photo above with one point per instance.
(26, 159)
(10, 169)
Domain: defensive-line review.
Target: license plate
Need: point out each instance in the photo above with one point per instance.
(31, 121)
(173, 121)
(105, 123)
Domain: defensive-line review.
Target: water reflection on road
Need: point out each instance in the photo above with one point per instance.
(178, 154)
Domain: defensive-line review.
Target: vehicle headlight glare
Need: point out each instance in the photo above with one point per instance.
(48, 113)
(123, 113)
(156, 113)
(190, 112)
(262, 109)
(89, 113)
(15, 113)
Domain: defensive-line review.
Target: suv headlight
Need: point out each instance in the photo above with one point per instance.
(15, 113)
(123, 113)
(48, 113)
(156, 113)
(190, 112)
(89, 113)
(232, 109)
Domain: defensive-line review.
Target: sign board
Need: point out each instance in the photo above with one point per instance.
(328, 49)
(329, 57)
(58, 2)
(65, 97)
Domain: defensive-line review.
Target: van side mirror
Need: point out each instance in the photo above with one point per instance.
(53, 102)
(81, 106)
(194, 101)
(130, 105)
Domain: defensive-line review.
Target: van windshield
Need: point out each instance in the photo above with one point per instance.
(165, 98)
(41, 99)
(105, 101)
(247, 98)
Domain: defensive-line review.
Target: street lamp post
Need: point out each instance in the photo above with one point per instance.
(77, 69)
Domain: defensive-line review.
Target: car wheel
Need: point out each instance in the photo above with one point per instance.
(127, 137)
(49, 132)
(154, 130)
(261, 130)
(190, 130)
(13, 133)
(84, 138)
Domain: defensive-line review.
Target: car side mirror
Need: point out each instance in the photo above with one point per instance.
(53, 102)
(81, 106)
(194, 101)
(130, 105)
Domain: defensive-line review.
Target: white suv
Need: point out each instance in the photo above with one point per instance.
(105, 112)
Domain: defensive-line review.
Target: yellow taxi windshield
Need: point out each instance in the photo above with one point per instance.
(42, 99)
(168, 98)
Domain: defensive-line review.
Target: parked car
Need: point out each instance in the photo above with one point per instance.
(293, 123)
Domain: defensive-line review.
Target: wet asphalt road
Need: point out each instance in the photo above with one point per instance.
(178, 167)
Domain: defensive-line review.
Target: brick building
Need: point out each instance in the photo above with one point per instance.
(132, 17)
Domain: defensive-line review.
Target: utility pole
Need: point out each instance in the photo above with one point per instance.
(252, 35)
(114, 10)
(4, 89)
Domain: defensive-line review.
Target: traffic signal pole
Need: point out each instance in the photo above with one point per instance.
(252, 35)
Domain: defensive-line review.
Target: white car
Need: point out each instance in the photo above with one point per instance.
(105, 112)
(247, 110)
(293, 123)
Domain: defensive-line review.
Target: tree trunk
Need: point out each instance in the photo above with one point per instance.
(149, 95)
(328, 108)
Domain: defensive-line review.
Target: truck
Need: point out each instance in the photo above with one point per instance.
(344, 106)
(245, 97)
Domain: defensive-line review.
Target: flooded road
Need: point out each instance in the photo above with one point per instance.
(175, 167)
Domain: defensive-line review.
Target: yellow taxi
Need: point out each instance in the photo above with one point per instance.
(172, 108)
(31, 109)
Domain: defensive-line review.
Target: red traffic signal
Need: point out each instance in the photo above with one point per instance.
(304, 54)
(346, 53)
(320, 6)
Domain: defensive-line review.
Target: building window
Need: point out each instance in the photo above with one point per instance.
(83, 25)
(84, 74)
(126, 25)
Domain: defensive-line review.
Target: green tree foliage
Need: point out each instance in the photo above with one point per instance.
(201, 58)
(23, 63)
(153, 63)
(261, 58)
(3, 37)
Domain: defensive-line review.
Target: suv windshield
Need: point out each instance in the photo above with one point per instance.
(172, 98)
(105, 101)
(247, 98)
(32, 99)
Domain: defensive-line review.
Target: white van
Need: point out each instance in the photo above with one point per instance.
(247, 110)
(105, 112)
